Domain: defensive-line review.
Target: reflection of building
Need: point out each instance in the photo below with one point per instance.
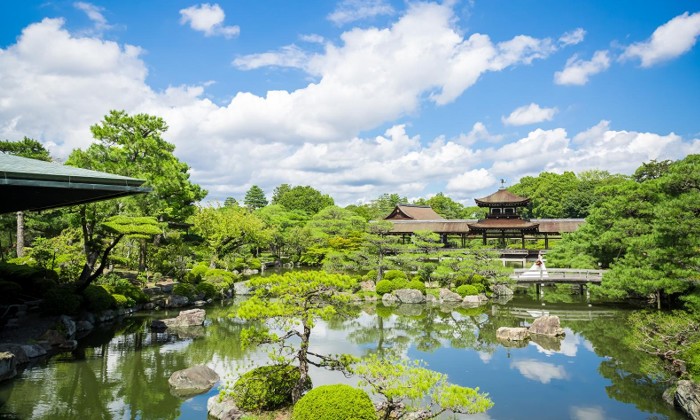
(502, 222)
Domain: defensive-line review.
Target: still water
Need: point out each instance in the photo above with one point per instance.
(122, 373)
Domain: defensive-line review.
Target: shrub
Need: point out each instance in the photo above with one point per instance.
(467, 290)
(124, 287)
(98, 298)
(692, 355)
(33, 280)
(371, 275)
(394, 274)
(122, 301)
(399, 283)
(384, 286)
(333, 402)
(9, 291)
(60, 301)
(266, 387)
(208, 289)
(184, 289)
(416, 284)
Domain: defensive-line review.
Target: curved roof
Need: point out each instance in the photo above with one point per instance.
(497, 224)
(413, 212)
(30, 184)
(502, 197)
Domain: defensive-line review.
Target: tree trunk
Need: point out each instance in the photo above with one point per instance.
(20, 234)
(142, 256)
(303, 364)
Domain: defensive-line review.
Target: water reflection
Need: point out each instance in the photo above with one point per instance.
(589, 374)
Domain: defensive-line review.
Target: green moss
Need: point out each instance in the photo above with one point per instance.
(266, 388)
(384, 287)
(467, 290)
(123, 301)
(417, 285)
(333, 402)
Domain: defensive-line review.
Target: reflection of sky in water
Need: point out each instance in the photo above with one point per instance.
(539, 371)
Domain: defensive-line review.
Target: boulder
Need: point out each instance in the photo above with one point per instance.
(547, 325)
(250, 272)
(83, 326)
(446, 295)
(190, 318)
(158, 325)
(473, 300)
(512, 334)
(106, 316)
(166, 286)
(8, 366)
(688, 398)
(53, 338)
(242, 288)
(223, 409)
(32, 351)
(389, 299)
(68, 325)
(152, 291)
(430, 298)
(501, 290)
(200, 303)
(409, 296)
(669, 395)
(192, 381)
(367, 286)
(176, 301)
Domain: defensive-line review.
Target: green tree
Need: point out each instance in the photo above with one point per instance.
(284, 225)
(230, 202)
(255, 198)
(408, 386)
(292, 303)
(304, 198)
(443, 205)
(133, 146)
(28, 148)
(278, 192)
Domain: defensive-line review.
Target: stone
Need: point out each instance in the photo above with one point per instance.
(501, 290)
(166, 286)
(106, 316)
(152, 291)
(68, 345)
(389, 299)
(200, 303)
(409, 310)
(669, 395)
(409, 296)
(446, 295)
(688, 398)
(192, 381)
(475, 300)
(512, 334)
(68, 325)
(53, 337)
(250, 272)
(223, 409)
(190, 318)
(430, 298)
(547, 325)
(8, 366)
(83, 326)
(176, 301)
(242, 288)
(158, 325)
(32, 351)
(368, 286)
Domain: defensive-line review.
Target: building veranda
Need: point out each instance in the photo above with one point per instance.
(503, 222)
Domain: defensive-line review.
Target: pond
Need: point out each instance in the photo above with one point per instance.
(122, 373)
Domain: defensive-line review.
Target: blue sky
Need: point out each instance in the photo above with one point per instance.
(363, 97)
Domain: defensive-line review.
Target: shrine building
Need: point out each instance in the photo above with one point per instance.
(503, 222)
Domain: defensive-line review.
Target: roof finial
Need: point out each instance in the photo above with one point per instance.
(503, 184)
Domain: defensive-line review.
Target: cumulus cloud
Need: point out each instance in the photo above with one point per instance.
(670, 40)
(349, 11)
(529, 114)
(539, 371)
(311, 135)
(572, 38)
(208, 18)
(577, 71)
(287, 56)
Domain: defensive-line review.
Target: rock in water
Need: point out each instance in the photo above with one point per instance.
(192, 381)
(223, 409)
(547, 325)
(409, 296)
(190, 318)
(446, 295)
(512, 334)
(688, 398)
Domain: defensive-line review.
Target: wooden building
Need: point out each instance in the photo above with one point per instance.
(503, 221)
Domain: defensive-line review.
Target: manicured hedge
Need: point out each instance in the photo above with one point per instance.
(334, 402)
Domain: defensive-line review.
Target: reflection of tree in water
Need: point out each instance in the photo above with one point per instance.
(624, 366)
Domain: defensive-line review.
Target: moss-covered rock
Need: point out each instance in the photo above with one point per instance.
(266, 388)
(333, 402)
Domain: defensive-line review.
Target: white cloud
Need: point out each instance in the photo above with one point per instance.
(539, 371)
(529, 114)
(578, 71)
(312, 38)
(94, 13)
(670, 40)
(287, 56)
(588, 413)
(349, 11)
(572, 38)
(208, 18)
(310, 136)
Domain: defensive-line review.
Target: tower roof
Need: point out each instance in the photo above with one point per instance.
(502, 197)
(413, 212)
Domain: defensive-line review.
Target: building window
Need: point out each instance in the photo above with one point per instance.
(509, 211)
(495, 211)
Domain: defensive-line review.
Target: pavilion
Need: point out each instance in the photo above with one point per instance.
(30, 184)
(503, 221)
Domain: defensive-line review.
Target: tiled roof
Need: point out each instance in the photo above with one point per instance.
(502, 224)
(413, 212)
(502, 197)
